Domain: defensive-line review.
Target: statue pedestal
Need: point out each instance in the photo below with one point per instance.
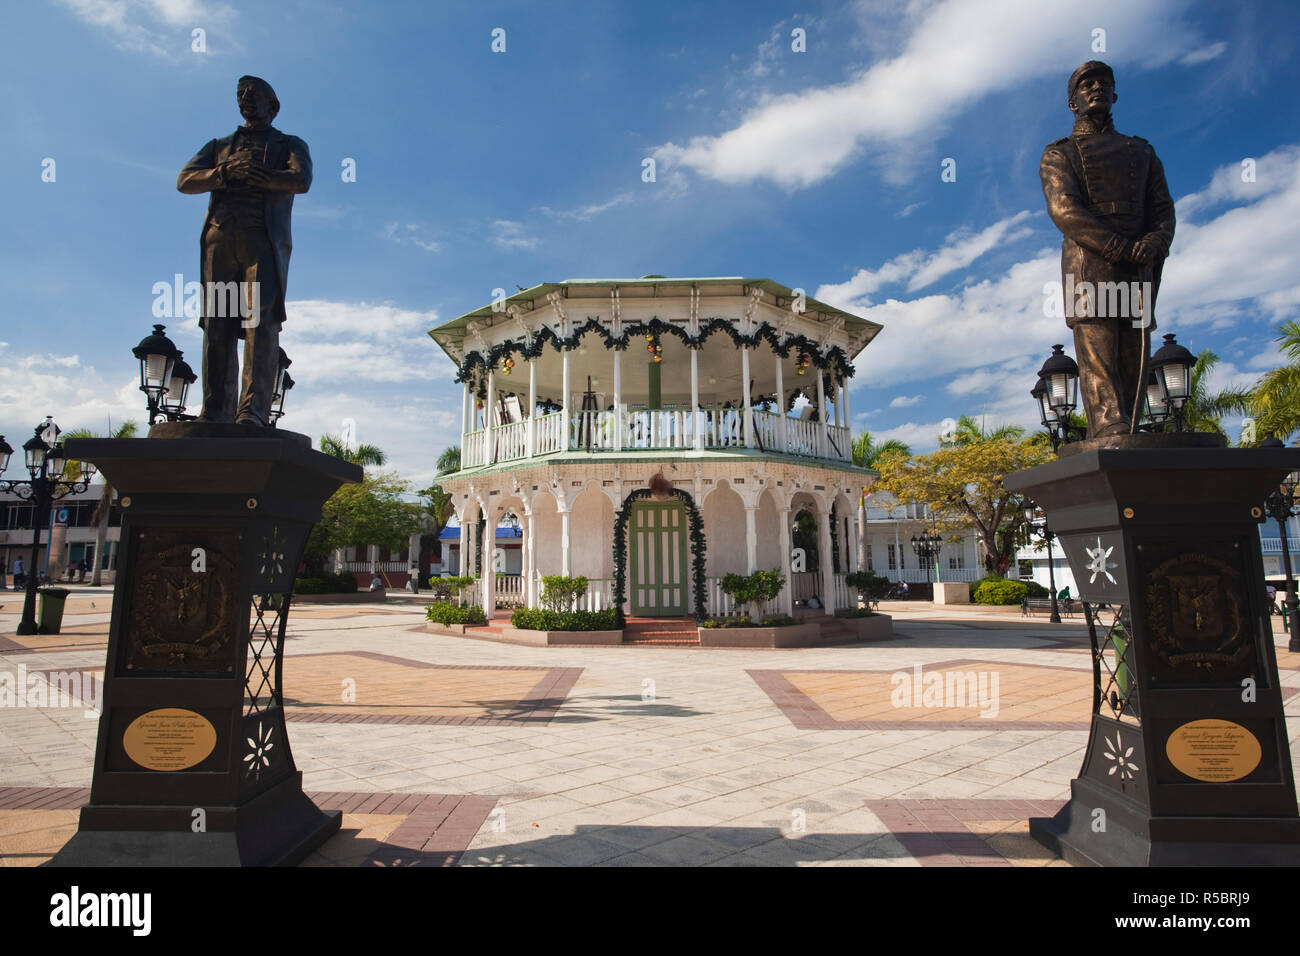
(193, 766)
(1188, 761)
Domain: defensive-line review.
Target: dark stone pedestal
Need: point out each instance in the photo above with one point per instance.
(1187, 762)
(193, 766)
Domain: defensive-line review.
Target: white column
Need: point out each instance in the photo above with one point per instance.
(744, 384)
(489, 419)
(489, 579)
(787, 595)
(856, 534)
(413, 556)
(821, 415)
(782, 435)
(898, 551)
(695, 400)
(751, 538)
(464, 416)
(532, 407)
(530, 554)
(824, 558)
(848, 422)
(567, 431)
(620, 427)
(462, 558)
(564, 542)
(839, 404)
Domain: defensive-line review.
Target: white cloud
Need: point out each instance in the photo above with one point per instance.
(414, 233)
(160, 28)
(1204, 54)
(958, 54)
(920, 269)
(903, 401)
(588, 212)
(510, 235)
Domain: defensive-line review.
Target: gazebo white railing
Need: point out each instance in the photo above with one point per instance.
(654, 429)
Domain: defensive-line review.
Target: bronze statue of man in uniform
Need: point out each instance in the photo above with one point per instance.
(1107, 194)
(253, 175)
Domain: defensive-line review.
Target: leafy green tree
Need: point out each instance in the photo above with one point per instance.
(371, 511)
(99, 519)
(1204, 409)
(962, 484)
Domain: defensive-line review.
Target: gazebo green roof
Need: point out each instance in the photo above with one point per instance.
(452, 333)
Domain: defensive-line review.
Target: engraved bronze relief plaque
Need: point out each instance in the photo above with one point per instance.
(1198, 619)
(184, 610)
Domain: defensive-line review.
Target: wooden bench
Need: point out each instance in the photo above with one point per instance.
(1068, 606)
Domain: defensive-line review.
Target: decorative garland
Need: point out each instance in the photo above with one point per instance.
(475, 365)
(698, 547)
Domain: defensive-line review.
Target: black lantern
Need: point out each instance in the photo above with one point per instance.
(1172, 368)
(277, 400)
(5, 451)
(1156, 401)
(173, 402)
(1060, 378)
(54, 460)
(1046, 413)
(1036, 523)
(34, 450)
(158, 358)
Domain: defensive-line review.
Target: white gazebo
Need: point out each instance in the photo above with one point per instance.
(655, 434)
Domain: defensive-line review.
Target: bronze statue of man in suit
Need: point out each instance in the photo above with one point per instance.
(1107, 194)
(252, 175)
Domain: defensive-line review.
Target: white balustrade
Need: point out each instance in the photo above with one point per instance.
(804, 436)
(510, 590)
(667, 429)
(722, 604)
(550, 433)
(845, 596)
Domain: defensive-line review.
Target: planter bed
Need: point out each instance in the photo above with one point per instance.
(352, 597)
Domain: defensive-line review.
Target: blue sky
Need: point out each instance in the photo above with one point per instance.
(819, 169)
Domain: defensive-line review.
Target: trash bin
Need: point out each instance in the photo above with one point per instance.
(49, 614)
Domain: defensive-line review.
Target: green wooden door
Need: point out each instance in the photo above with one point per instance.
(658, 562)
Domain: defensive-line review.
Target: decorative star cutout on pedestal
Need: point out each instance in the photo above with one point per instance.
(1097, 562)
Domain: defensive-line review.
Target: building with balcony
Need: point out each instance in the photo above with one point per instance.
(654, 435)
(71, 532)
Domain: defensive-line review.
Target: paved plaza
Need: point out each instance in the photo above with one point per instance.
(457, 751)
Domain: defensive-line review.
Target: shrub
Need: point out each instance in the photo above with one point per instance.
(311, 586)
(854, 612)
(871, 586)
(344, 583)
(559, 594)
(748, 590)
(780, 620)
(1035, 589)
(730, 621)
(1000, 591)
(542, 619)
(444, 612)
(450, 587)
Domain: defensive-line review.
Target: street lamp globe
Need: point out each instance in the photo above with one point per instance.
(54, 460)
(1172, 365)
(173, 401)
(5, 451)
(34, 450)
(1157, 400)
(87, 471)
(277, 400)
(1060, 377)
(157, 357)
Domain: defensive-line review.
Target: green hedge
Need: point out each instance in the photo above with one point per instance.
(540, 619)
(1000, 591)
(345, 583)
(742, 621)
(1036, 589)
(444, 612)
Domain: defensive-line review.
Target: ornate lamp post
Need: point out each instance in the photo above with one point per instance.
(927, 546)
(44, 456)
(1057, 396)
(158, 358)
(1281, 505)
(1036, 522)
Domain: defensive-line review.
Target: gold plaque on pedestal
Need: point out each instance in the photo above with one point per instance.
(169, 739)
(1217, 751)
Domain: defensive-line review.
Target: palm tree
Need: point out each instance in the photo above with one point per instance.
(867, 453)
(449, 460)
(1275, 399)
(1203, 409)
(333, 446)
(971, 432)
(72, 470)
